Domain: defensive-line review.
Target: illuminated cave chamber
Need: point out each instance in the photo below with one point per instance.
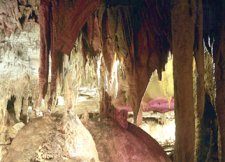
(104, 61)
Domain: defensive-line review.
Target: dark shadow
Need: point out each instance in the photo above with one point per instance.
(11, 108)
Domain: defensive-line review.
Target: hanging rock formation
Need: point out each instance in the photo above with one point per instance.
(58, 35)
(134, 34)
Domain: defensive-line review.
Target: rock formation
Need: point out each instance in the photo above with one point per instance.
(126, 41)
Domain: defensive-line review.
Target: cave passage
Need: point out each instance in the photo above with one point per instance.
(129, 70)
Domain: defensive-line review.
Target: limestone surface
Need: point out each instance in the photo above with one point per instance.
(55, 138)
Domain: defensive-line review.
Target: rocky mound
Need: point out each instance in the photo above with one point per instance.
(117, 144)
(55, 138)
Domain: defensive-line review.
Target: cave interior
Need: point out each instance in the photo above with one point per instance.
(102, 72)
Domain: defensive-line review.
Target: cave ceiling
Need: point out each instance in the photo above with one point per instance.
(137, 31)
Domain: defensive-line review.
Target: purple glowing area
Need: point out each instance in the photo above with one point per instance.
(161, 105)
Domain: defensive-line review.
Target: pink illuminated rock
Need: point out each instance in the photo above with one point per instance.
(116, 144)
(161, 105)
(121, 117)
(124, 107)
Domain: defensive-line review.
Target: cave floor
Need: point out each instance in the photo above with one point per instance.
(161, 126)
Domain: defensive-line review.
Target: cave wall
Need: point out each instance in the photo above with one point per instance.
(17, 15)
(220, 88)
(19, 63)
(19, 47)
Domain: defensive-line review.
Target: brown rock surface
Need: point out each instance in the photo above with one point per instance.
(55, 139)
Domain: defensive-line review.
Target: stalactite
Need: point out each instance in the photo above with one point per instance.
(60, 24)
(85, 44)
(120, 37)
(182, 48)
(54, 76)
(151, 49)
(71, 19)
(94, 33)
(108, 38)
(44, 20)
(91, 37)
(54, 55)
(160, 20)
(112, 30)
(139, 73)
